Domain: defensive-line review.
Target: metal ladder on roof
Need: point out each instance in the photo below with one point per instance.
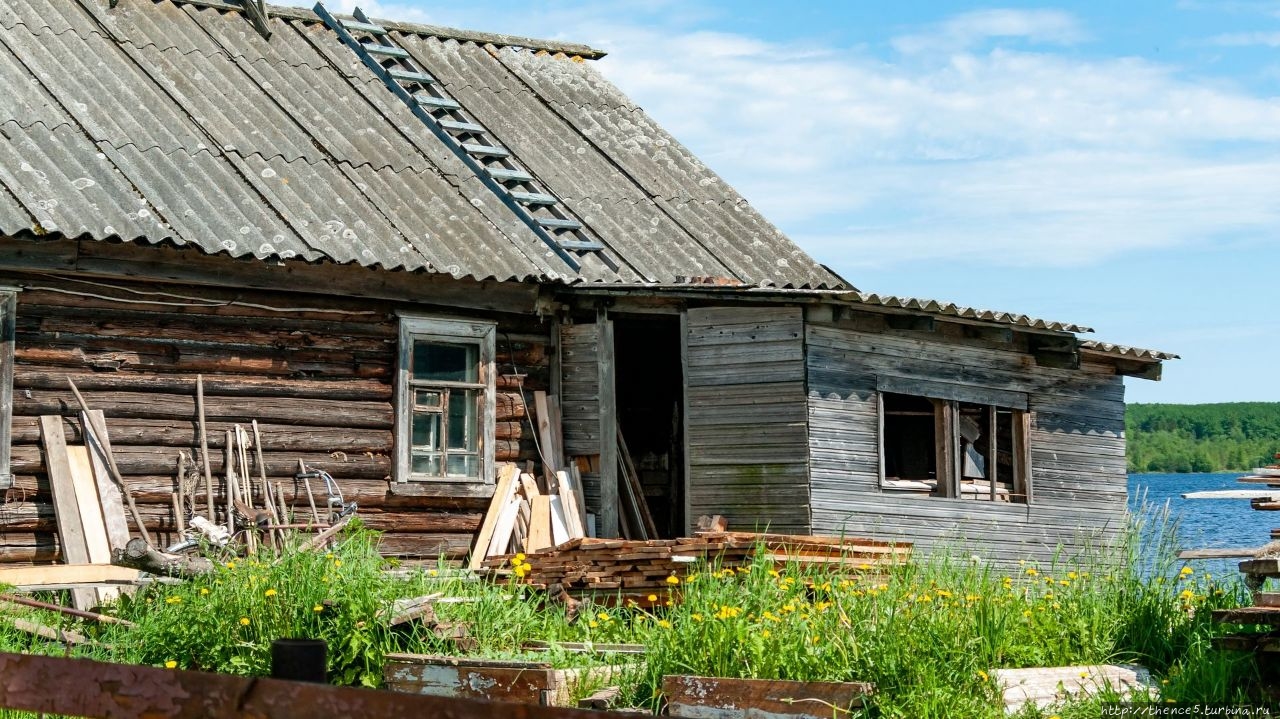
(545, 213)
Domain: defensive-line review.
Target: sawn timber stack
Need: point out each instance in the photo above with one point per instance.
(585, 565)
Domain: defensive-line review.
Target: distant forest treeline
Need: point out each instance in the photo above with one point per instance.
(1202, 437)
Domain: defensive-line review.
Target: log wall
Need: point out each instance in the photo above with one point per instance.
(1078, 480)
(318, 381)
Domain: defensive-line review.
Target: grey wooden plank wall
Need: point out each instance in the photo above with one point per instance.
(747, 435)
(1077, 447)
(580, 400)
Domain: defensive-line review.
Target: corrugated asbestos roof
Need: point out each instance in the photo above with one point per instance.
(1137, 353)
(950, 309)
(168, 121)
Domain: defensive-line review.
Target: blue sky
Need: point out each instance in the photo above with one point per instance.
(1111, 164)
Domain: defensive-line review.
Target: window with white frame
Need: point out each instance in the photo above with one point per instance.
(445, 400)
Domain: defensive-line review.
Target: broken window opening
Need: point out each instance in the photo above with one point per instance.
(947, 448)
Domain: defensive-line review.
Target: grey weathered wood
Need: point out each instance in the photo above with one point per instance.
(71, 537)
(8, 319)
(746, 419)
(607, 515)
(951, 391)
(1074, 455)
(109, 493)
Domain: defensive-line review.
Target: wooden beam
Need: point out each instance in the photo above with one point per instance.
(8, 313)
(607, 521)
(30, 577)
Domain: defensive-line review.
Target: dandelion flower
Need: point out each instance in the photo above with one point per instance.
(204, 591)
(171, 664)
(653, 597)
(519, 557)
(337, 562)
(432, 572)
(983, 675)
(231, 565)
(664, 624)
(270, 593)
(673, 580)
(603, 616)
(592, 624)
(173, 600)
(1031, 572)
(318, 608)
(244, 621)
(764, 634)
(1187, 571)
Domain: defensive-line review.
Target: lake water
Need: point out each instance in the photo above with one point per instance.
(1205, 523)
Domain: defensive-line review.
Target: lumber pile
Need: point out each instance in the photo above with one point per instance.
(526, 515)
(589, 564)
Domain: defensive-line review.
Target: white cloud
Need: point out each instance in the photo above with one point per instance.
(1246, 39)
(969, 29)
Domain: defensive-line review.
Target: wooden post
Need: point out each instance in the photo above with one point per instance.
(8, 327)
(204, 450)
(1022, 454)
(993, 467)
(229, 465)
(607, 522)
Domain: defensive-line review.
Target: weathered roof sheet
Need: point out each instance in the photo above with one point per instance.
(950, 309)
(1137, 353)
(174, 121)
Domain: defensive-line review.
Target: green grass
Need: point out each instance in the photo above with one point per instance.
(927, 634)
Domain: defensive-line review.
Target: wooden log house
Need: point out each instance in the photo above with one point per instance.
(355, 259)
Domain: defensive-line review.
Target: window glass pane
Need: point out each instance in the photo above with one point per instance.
(426, 399)
(424, 463)
(426, 432)
(464, 465)
(462, 420)
(444, 362)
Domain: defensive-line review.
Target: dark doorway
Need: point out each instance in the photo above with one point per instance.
(650, 390)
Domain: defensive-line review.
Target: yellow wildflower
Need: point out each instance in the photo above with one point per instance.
(204, 591)
(1031, 572)
(983, 675)
(270, 593)
(231, 565)
(696, 617)
(673, 580)
(432, 572)
(519, 557)
(653, 597)
(1186, 571)
(173, 600)
(171, 664)
(603, 616)
(764, 634)
(337, 562)
(318, 608)
(664, 624)
(592, 624)
(1071, 575)
(244, 621)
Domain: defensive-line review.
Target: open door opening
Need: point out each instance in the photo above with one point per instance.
(650, 394)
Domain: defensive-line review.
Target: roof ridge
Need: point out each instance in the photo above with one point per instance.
(305, 15)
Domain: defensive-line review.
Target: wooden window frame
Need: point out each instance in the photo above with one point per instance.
(8, 328)
(451, 331)
(947, 444)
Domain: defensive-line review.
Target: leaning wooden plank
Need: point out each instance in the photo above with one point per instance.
(503, 530)
(718, 698)
(62, 486)
(95, 531)
(556, 421)
(545, 440)
(539, 524)
(100, 429)
(501, 496)
(32, 577)
(634, 491)
(559, 527)
(108, 492)
(575, 523)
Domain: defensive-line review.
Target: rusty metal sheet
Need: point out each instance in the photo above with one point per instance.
(209, 204)
(123, 691)
(70, 188)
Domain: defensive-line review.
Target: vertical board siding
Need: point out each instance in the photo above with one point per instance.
(579, 359)
(318, 381)
(1077, 447)
(747, 429)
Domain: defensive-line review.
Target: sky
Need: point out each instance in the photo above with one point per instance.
(1112, 164)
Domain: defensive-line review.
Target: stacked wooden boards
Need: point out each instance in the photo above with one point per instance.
(86, 500)
(583, 565)
(525, 516)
